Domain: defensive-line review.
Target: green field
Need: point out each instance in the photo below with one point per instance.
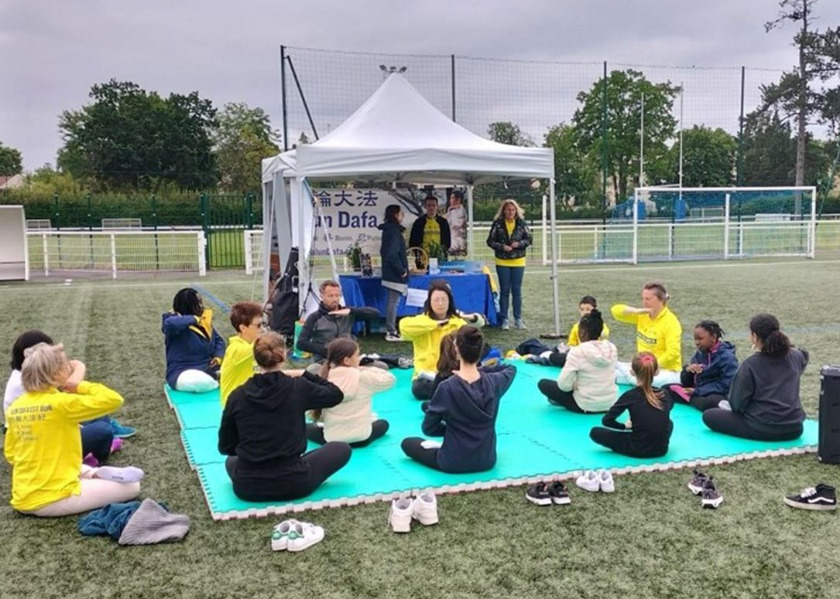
(650, 539)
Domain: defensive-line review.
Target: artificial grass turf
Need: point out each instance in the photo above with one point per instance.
(649, 539)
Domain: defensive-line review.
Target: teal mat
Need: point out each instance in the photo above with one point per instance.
(535, 441)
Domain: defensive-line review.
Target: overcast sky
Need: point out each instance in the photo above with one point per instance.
(51, 52)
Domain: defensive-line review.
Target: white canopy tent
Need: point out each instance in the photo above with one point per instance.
(395, 136)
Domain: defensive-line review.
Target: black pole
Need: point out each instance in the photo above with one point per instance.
(302, 97)
(740, 170)
(283, 98)
(604, 159)
(452, 57)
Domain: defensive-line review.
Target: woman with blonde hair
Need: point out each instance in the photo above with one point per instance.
(509, 237)
(44, 446)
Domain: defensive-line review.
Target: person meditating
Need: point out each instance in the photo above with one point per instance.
(439, 318)
(658, 331)
(263, 429)
(194, 350)
(764, 396)
(331, 321)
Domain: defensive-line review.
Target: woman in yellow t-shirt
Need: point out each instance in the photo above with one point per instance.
(439, 317)
(43, 443)
(509, 237)
(658, 330)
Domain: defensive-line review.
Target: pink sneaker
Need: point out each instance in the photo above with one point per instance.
(116, 444)
(91, 461)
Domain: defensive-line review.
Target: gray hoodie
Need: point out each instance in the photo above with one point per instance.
(589, 374)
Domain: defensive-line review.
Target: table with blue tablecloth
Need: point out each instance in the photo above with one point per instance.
(472, 292)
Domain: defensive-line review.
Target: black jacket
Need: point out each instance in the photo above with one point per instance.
(652, 427)
(415, 239)
(465, 415)
(766, 391)
(321, 327)
(393, 252)
(263, 422)
(498, 237)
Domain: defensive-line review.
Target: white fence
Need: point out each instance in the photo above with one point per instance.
(116, 251)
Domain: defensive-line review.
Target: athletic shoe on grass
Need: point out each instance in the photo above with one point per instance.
(400, 516)
(605, 481)
(696, 484)
(123, 432)
(538, 494)
(424, 509)
(820, 498)
(520, 324)
(710, 497)
(559, 494)
(303, 535)
(392, 337)
(589, 481)
(280, 535)
(505, 325)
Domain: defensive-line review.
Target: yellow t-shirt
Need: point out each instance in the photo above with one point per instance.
(431, 233)
(425, 334)
(513, 261)
(662, 336)
(44, 442)
(238, 366)
(574, 337)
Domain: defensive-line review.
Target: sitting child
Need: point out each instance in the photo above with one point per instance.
(463, 410)
(194, 350)
(587, 381)
(586, 305)
(353, 420)
(706, 379)
(648, 430)
(239, 364)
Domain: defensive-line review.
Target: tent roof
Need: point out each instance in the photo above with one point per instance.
(398, 135)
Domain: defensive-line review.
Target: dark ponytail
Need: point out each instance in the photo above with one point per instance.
(470, 344)
(592, 324)
(766, 327)
(711, 327)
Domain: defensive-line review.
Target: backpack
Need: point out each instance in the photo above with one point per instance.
(282, 305)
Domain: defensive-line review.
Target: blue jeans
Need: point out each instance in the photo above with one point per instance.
(510, 283)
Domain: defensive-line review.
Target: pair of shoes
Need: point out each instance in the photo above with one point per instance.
(505, 326)
(291, 535)
(820, 498)
(546, 494)
(122, 432)
(703, 485)
(594, 481)
(520, 324)
(422, 508)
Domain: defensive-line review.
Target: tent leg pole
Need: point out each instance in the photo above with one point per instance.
(470, 224)
(554, 277)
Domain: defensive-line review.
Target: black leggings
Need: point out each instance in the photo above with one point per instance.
(378, 428)
(422, 387)
(621, 442)
(705, 402)
(321, 464)
(730, 423)
(558, 397)
(428, 457)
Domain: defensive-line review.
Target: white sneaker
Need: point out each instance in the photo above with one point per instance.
(400, 517)
(606, 482)
(303, 535)
(505, 325)
(589, 481)
(425, 509)
(280, 535)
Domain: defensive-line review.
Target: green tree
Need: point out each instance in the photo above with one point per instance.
(128, 138)
(708, 158)
(509, 133)
(506, 132)
(574, 177)
(623, 124)
(804, 94)
(11, 162)
(243, 138)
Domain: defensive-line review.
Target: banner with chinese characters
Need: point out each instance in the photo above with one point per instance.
(352, 216)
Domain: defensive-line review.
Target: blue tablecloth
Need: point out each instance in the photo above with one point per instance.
(472, 293)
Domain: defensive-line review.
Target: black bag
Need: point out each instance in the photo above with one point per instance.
(283, 303)
(829, 435)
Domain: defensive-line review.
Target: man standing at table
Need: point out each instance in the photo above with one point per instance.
(331, 321)
(430, 228)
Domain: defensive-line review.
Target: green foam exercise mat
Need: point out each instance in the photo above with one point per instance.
(177, 398)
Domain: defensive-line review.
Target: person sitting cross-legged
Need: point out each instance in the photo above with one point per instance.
(331, 321)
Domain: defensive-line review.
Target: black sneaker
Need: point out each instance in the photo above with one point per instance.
(822, 497)
(710, 498)
(696, 484)
(559, 494)
(538, 494)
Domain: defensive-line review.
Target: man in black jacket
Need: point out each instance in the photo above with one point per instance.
(430, 228)
(331, 321)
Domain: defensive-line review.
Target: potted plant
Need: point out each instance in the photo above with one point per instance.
(436, 250)
(354, 254)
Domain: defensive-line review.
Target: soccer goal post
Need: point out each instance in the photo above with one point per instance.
(701, 223)
(14, 258)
